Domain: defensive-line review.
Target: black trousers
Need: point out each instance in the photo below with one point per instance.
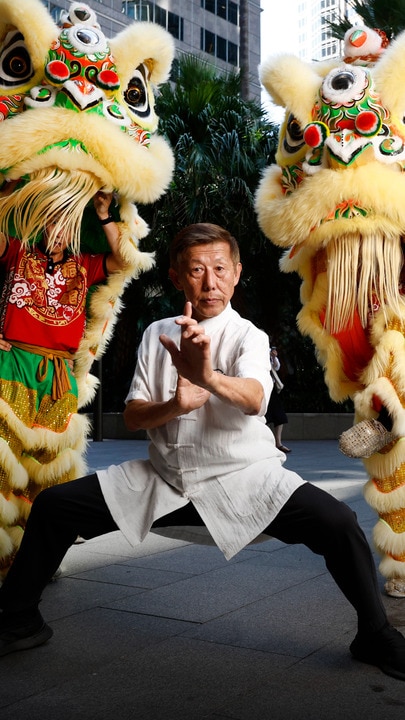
(311, 517)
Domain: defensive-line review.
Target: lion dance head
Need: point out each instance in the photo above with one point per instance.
(76, 116)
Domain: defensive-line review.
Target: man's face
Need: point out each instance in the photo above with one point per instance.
(207, 276)
(59, 237)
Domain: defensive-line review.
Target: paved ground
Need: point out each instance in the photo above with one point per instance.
(172, 631)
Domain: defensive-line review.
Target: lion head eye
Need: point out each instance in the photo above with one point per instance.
(294, 129)
(293, 140)
(345, 84)
(15, 62)
(136, 93)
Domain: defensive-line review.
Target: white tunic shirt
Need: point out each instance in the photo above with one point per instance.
(223, 461)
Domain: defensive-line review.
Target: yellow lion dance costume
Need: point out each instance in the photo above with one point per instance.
(76, 116)
(336, 201)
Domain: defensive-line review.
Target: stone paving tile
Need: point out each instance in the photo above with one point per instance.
(193, 559)
(69, 595)
(296, 621)
(220, 591)
(174, 679)
(328, 685)
(83, 645)
(131, 576)
(172, 631)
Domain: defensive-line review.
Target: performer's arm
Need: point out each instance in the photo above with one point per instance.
(4, 345)
(114, 260)
(3, 244)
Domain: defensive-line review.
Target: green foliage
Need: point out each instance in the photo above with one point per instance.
(221, 144)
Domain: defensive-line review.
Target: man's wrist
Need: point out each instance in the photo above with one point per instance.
(106, 220)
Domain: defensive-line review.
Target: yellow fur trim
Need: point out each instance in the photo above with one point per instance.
(133, 226)
(291, 83)
(385, 391)
(17, 511)
(391, 568)
(327, 348)
(24, 510)
(385, 464)
(383, 502)
(387, 541)
(389, 78)
(6, 544)
(120, 154)
(148, 42)
(9, 510)
(88, 384)
(10, 541)
(74, 436)
(17, 476)
(301, 216)
(67, 463)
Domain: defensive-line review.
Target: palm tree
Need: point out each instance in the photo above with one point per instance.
(221, 145)
(389, 17)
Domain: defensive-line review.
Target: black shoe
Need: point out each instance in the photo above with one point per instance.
(283, 448)
(13, 638)
(385, 649)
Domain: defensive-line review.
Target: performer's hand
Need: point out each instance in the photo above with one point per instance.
(193, 359)
(189, 396)
(102, 202)
(4, 345)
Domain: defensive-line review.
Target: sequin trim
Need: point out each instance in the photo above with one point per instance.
(395, 520)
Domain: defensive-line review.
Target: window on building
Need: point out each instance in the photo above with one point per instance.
(209, 5)
(160, 16)
(138, 9)
(219, 47)
(147, 10)
(223, 8)
(232, 53)
(208, 42)
(175, 25)
(233, 13)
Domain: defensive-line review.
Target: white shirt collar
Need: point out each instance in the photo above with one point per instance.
(212, 324)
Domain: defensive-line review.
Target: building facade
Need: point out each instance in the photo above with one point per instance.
(315, 40)
(207, 28)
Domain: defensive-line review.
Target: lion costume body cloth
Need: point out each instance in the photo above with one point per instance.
(76, 116)
(336, 202)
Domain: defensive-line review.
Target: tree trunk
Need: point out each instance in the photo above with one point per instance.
(244, 48)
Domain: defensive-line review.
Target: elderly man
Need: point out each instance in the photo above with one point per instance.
(201, 388)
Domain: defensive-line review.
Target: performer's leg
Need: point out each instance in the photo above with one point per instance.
(59, 514)
(330, 528)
